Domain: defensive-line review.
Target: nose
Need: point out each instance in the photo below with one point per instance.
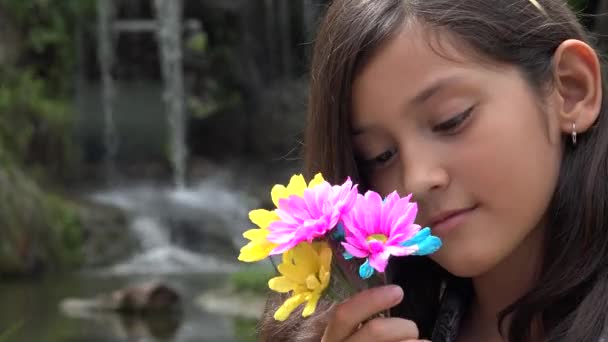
(422, 173)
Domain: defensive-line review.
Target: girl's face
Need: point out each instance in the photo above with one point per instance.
(471, 141)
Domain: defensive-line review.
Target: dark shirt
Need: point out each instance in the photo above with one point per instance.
(454, 303)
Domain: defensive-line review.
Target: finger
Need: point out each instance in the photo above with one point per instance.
(386, 330)
(347, 315)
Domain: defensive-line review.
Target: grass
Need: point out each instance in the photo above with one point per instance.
(252, 278)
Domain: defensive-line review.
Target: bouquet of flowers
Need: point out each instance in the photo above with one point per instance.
(333, 240)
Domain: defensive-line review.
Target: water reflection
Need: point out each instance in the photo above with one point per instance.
(38, 305)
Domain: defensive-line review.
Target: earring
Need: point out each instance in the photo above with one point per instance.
(573, 134)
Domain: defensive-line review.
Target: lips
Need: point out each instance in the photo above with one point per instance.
(443, 216)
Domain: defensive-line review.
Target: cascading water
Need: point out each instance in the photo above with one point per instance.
(105, 53)
(169, 17)
(215, 210)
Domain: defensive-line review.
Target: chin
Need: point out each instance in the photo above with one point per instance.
(464, 264)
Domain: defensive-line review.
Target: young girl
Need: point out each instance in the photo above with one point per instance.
(490, 112)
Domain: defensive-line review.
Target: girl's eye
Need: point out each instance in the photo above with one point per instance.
(451, 126)
(380, 159)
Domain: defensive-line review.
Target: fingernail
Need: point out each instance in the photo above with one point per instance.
(395, 292)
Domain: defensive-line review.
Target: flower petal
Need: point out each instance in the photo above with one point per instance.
(278, 192)
(294, 208)
(281, 284)
(287, 308)
(256, 251)
(255, 234)
(430, 245)
(378, 262)
(296, 185)
(262, 218)
(365, 270)
(311, 306)
(387, 208)
(306, 258)
(282, 248)
(354, 250)
(296, 274)
(374, 209)
(312, 282)
(325, 255)
(406, 218)
(418, 238)
(318, 179)
(401, 251)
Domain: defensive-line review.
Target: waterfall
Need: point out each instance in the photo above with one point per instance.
(105, 54)
(169, 17)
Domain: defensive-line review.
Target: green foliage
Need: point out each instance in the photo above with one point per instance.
(245, 330)
(48, 28)
(202, 109)
(34, 125)
(252, 278)
(35, 93)
(198, 43)
(5, 335)
(65, 232)
(38, 229)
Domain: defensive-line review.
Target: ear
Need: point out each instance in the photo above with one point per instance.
(578, 85)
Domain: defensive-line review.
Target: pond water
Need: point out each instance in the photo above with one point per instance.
(33, 310)
(187, 239)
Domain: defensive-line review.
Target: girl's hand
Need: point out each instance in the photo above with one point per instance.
(347, 317)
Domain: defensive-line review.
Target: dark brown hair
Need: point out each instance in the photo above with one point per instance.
(571, 298)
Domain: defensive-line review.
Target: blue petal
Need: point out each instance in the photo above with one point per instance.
(430, 245)
(418, 238)
(347, 256)
(338, 233)
(365, 270)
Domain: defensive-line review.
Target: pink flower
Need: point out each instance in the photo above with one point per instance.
(375, 230)
(310, 216)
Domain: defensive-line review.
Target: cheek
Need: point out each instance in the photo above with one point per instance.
(510, 169)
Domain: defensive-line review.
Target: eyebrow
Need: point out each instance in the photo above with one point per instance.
(434, 88)
(424, 95)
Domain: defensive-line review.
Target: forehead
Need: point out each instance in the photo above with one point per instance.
(414, 59)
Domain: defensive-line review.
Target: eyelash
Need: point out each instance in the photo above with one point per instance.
(451, 125)
(380, 160)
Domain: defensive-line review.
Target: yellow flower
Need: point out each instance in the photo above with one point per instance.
(259, 248)
(305, 272)
(296, 186)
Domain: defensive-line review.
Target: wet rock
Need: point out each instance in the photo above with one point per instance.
(145, 310)
(149, 297)
(107, 238)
